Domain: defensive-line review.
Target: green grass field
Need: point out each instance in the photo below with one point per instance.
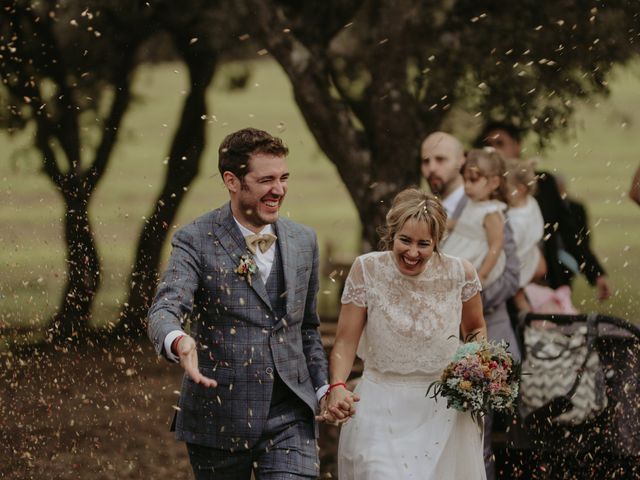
(598, 160)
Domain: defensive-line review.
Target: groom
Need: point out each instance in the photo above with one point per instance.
(247, 281)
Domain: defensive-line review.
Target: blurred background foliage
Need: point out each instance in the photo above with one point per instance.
(111, 114)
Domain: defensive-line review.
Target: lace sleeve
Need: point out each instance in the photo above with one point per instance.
(354, 288)
(471, 284)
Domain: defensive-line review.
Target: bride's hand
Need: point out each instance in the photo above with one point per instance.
(341, 404)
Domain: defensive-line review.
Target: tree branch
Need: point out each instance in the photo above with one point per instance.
(326, 117)
(111, 128)
(52, 65)
(392, 105)
(359, 107)
(26, 89)
(49, 162)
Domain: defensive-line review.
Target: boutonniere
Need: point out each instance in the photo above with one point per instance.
(247, 267)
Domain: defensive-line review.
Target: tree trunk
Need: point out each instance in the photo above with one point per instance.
(184, 163)
(392, 120)
(83, 278)
(57, 123)
(374, 164)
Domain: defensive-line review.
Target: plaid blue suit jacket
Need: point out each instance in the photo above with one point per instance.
(239, 343)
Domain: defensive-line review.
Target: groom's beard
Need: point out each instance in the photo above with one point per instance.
(251, 205)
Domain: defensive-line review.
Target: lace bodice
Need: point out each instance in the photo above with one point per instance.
(412, 322)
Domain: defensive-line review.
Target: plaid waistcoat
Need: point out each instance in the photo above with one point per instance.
(276, 291)
(276, 287)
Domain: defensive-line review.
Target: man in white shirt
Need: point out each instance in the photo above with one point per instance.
(442, 158)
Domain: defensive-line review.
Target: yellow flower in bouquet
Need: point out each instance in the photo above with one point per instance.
(482, 377)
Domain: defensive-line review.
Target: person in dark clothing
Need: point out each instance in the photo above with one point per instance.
(579, 216)
(565, 249)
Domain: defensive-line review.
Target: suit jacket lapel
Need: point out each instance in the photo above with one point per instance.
(288, 253)
(233, 242)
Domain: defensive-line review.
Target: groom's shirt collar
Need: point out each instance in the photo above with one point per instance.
(264, 260)
(246, 232)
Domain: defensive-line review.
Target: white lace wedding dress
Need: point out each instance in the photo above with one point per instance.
(411, 334)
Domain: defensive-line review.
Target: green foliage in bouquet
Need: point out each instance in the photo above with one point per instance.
(482, 377)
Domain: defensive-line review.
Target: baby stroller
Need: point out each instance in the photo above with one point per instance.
(578, 412)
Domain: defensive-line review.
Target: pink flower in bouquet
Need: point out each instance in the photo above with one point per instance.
(495, 387)
(481, 377)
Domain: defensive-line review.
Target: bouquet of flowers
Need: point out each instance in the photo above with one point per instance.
(481, 377)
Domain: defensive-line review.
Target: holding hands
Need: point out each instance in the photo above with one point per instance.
(338, 404)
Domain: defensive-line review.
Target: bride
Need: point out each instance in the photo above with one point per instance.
(403, 310)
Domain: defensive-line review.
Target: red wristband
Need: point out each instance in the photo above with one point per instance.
(335, 385)
(174, 345)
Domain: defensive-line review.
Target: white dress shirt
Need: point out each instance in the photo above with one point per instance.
(264, 260)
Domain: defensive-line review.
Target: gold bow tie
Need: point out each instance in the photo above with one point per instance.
(262, 241)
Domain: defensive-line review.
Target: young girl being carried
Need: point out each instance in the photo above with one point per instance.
(526, 222)
(478, 233)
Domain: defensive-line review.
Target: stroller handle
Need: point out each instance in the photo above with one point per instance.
(563, 319)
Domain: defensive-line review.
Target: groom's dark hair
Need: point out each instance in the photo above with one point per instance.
(236, 149)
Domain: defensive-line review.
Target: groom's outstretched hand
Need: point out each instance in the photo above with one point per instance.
(186, 350)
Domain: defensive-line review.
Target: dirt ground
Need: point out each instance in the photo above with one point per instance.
(100, 413)
(103, 412)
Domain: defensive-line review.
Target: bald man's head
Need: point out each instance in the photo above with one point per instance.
(442, 157)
